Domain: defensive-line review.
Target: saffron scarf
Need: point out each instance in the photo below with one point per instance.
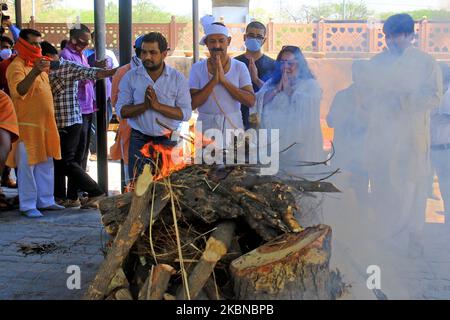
(28, 53)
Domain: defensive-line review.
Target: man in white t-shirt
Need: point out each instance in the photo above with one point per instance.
(219, 85)
(440, 142)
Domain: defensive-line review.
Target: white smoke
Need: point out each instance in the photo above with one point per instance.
(382, 146)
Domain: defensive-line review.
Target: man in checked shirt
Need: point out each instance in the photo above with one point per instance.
(64, 83)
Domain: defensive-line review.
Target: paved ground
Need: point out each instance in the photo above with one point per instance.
(75, 237)
(71, 237)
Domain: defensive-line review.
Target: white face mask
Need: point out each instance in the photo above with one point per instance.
(5, 54)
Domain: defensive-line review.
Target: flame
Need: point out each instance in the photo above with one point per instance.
(171, 159)
(163, 156)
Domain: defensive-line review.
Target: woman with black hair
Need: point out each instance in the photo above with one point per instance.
(290, 102)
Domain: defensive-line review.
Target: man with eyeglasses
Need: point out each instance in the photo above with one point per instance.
(64, 78)
(80, 37)
(259, 65)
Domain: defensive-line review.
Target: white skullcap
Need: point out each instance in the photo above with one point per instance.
(210, 28)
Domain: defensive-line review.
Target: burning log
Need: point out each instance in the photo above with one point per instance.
(216, 214)
(292, 266)
(211, 194)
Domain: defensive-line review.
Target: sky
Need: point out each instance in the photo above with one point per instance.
(184, 7)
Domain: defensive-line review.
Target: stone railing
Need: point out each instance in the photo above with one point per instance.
(351, 39)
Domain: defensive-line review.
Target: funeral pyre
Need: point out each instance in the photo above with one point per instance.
(214, 232)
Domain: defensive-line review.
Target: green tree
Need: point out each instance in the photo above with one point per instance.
(432, 15)
(354, 10)
(144, 11)
(261, 15)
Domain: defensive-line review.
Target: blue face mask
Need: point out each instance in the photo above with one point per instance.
(5, 54)
(253, 44)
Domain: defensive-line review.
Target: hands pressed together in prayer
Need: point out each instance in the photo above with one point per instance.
(152, 103)
(253, 69)
(151, 100)
(244, 95)
(254, 72)
(285, 83)
(218, 71)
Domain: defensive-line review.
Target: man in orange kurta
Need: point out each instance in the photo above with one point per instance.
(38, 145)
(9, 129)
(9, 132)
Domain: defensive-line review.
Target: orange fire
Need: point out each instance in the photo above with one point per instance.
(164, 157)
(170, 159)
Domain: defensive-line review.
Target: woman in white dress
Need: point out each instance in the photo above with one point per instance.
(290, 102)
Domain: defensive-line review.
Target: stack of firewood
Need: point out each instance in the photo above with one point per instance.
(209, 232)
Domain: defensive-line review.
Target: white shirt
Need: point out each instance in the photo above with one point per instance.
(238, 75)
(297, 119)
(171, 89)
(440, 127)
(111, 54)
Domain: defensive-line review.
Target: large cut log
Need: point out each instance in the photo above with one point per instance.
(136, 222)
(292, 266)
(216, 247)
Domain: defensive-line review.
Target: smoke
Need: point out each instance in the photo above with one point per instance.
(445, 4)
(382, 144)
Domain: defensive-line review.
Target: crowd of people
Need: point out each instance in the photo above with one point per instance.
(385, 144)
(54, 101)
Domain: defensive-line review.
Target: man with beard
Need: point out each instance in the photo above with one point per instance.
(150, 95)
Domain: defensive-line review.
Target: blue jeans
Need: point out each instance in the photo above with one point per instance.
(135, 158)
(72, 145)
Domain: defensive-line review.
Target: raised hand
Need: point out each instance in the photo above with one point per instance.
(41, 65)
(100, 64)
(214, 70)
(220, 71)
(253, 70)
(285, 83)
(152, 98)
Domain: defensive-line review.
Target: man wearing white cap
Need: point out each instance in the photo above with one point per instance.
(219, 85)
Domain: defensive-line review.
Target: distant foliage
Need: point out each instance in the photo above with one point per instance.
(432, 15)
(144, 11)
